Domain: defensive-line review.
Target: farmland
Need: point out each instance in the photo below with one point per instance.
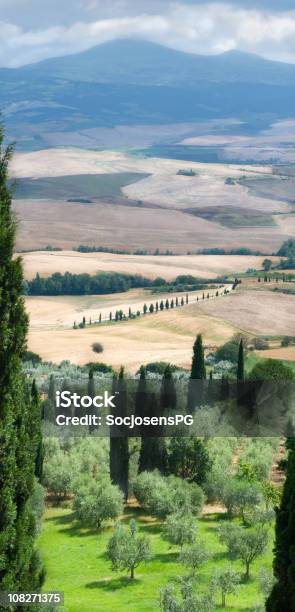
(156, 207)
(165, 266)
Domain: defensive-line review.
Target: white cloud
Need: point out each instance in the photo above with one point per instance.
(203, 28)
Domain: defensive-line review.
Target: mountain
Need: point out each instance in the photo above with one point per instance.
(129, 83)
(145, 63)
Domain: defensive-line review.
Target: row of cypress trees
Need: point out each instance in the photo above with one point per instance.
(20, 429)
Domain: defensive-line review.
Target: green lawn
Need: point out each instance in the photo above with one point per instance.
(76, 564)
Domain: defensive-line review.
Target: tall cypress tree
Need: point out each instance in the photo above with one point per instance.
(36, 410)
(198, 369)
(241, 366)
(141, 409)
(168, 396)
(19, 412)
(198, 373)
(91, 393)
(119, 447)
(282, 597)
(153, 452)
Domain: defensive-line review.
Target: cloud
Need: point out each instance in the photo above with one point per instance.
(198, 28)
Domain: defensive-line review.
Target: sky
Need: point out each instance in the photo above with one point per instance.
(32, 30)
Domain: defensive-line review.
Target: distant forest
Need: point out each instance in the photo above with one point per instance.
(105, 282)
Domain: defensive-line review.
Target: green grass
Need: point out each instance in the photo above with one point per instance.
(233, 216)
(90, 186)
(76, 564)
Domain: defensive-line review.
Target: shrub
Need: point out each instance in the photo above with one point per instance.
(260, 344)
(32, 357)
(97, 347)
(228, 352)
(99, 367)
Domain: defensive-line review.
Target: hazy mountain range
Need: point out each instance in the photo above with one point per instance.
(134, 83)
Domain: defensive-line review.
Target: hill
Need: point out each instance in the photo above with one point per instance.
(144, 63)
(131, 83)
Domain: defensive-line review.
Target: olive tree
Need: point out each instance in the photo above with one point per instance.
(187, 600)
(58, 475)
(97, 501)
(180, 529)
(126, 549)
(161, 496)
(225, 581)
(244, 544)
(240, 496)
(194, 555)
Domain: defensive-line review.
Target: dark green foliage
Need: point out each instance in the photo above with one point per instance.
(228, 352)
(19, 413)
(288, 250)
(198, 373)
(99, 367)
(36, 410)
(97, 347)
(198, 369)
(104, 283)
(153, 453)
(168, 397)
(189, 459)
(241, 367)
(84, 284)
(119, 451)
(282, 596)
(32, 357)
(159, 367)
(271, 369)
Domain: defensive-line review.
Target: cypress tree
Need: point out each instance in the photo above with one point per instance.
(50, 404)
(153, 453)
(168, 397)
(198, 369)
(36, 410)
(91, 393)
(19, 413)
(198, 372)
(141, 409)
(119, 447)
(241, 367)
(282, 597)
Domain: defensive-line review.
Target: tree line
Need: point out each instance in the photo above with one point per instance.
(106, 282)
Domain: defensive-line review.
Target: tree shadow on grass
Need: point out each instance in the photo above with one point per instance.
(113, 585)
(151, 528)
(169, 557)
(71, 526)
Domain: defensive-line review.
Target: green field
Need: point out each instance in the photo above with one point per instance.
(233, 216)
(88, 186)
(76, 564)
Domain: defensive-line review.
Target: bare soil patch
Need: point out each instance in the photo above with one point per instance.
(263, 312)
